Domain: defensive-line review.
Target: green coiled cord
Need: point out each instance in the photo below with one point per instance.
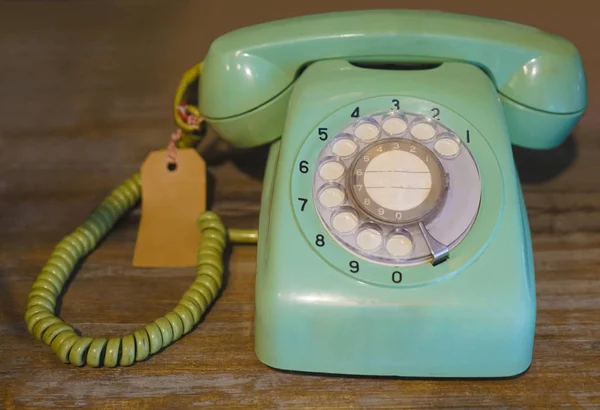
(44, 325)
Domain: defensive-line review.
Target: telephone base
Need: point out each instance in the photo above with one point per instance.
(320, 331)
(322, 309)
(478, 323)
(418, 341)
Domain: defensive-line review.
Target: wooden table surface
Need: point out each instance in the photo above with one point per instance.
(85, 94)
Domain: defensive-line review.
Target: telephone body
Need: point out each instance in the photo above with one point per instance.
(393, 236)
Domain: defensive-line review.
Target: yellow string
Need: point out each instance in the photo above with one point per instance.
(187, 79)
(188, 130)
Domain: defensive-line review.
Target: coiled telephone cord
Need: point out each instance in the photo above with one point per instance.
(40, 315)
(72, 348)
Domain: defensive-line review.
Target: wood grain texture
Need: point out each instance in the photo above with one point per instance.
(85, 94)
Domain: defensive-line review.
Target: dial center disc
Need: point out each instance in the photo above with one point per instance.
(397, 180)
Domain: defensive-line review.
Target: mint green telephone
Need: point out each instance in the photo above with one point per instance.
(393, 237)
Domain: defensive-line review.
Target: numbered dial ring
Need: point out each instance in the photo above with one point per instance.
(397, 181)
(397, 188)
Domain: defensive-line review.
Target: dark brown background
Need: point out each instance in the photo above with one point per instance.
(85, 94)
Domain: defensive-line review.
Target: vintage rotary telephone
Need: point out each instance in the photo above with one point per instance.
(393, 236)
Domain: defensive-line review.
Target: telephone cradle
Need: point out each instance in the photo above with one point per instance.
(393, 238)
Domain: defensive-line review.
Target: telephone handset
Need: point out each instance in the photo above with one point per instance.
(393, 237)
(248, 74)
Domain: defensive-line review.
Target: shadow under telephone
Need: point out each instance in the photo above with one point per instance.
(393, 237)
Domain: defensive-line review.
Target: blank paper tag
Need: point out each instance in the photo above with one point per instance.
(171, 203)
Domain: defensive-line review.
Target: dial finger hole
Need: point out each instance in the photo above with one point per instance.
(369, 238)
(331, 170)
(367, 130)
(447, 147)
(423, 131)
(394, 125)
(344, 147)
(399, 245)
(344, 221)
(331, 196)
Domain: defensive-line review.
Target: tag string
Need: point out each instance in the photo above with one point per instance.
(193, 121)
(172, 149)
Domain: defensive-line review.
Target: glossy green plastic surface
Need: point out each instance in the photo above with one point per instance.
(253, 66)
(476, 319)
